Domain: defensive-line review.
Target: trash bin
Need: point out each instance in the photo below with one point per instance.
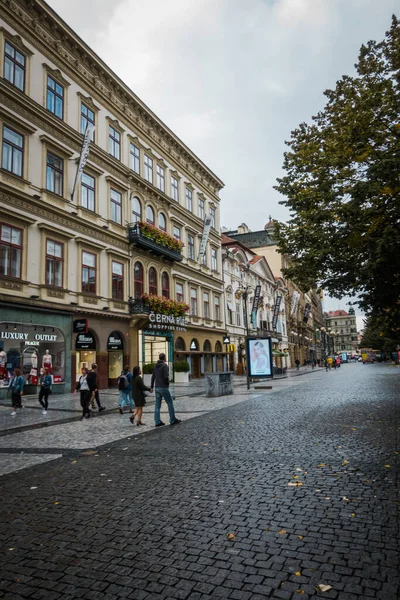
(219, 384)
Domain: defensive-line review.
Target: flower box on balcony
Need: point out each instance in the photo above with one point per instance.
(159, 242)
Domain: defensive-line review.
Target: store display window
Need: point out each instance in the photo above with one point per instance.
(31, 348)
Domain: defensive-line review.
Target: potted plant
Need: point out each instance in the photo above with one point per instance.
(147, 371)
(181, 370)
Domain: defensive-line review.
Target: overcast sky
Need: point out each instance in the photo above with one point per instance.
(232, 78)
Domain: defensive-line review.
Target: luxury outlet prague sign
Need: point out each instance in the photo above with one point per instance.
(166, 322)
(38, 337)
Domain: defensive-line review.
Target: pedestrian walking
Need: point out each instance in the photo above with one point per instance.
(160, 382)
(45, 382)
(125, 389)
(83, 388)
(326, 365)
(139, 397)
(16, 386)
(93, 383)
(330, 361)
(297, 363)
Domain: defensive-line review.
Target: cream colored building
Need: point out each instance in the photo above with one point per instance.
(66, 258)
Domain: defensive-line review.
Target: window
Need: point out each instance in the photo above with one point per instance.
(174, 189)
(162, 223)
(13, 151)
(189, 199)
(150, 215)
(238, 315)
(136, 210)
(230, 314)
(88, 191)
(10, 251)
(135, 158)
(55, 97)
(114, 142)
(148, 168)
(212, 215)
(202, 213)
(180, 344)
(177, 233)
(165, 285)
(116, 206)
(54, 174)
(193, 301)
(214, 259)
(191, 247)
(88, 273)
(14, 66)
(117, 275)
(54, 263)
(153, 287)
(179, 292)
(160, 178)
(138, 280)
(87, 119)
(206, 304)
(217, 308)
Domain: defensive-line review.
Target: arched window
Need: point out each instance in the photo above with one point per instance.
(150, 215)
(153, 288)
(218, 347)
(207, 346)
(180, 344)
(194, 344)
(136, 210)
(162, 222)
(138, 280)
(165, 285)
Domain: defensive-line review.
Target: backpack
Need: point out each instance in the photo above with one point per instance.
(123, 382)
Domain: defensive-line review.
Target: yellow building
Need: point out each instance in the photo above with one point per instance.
(77, 261)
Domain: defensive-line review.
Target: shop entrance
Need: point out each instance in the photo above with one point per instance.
(152, 345)
(196, 366)
(85, 346)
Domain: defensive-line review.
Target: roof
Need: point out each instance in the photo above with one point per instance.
(338, 313)
(255, 259)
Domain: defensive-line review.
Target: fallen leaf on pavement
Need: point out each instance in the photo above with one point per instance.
(354, 428)
(388, 466)
(346, 499)
(282, 531)
(56, 503)
(345, 462)
(295, 484)
(74, 461)
(321, 465)
(230, 536)
(299, 591)
(298, 574)
(34, 487)
(323, 588)
(266, 529)
(300, 537)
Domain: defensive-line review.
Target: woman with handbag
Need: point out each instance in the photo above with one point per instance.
(45, 389)
(17, 387)
(139, 396)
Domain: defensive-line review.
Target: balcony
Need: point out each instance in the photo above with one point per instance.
(269, 333)
(138, 307)
(158, 242)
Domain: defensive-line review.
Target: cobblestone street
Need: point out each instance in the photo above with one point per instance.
(290, 493)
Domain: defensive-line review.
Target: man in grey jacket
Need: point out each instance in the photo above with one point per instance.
(160, 382)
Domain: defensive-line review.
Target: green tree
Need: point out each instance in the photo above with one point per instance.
(377, 334)
(342, 187)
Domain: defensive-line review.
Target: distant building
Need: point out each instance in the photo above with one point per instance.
(343, 325)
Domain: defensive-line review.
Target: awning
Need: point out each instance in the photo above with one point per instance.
(276, 353)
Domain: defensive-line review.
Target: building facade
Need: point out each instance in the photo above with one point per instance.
(84, 260)
(343, 326)
(304, 316)
(243, 271)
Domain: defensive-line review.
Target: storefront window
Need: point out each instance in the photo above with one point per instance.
(115, 347)
(31, 348)
(85, 346)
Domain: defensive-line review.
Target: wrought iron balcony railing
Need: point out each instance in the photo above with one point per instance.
(138, 307)
(269, 333)
(136, 236)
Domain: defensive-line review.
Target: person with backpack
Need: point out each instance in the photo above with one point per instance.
(16, 386)
(125, 389)
(45, 389)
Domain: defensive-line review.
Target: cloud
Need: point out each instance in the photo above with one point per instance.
(232, 78)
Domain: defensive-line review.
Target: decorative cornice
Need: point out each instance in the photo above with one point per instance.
(66, 152)
(89, 101)
(58, 76)
(16, 41)
(46, 31)
(61, 233)
(26, 127)
(31, 206)
(114, 123)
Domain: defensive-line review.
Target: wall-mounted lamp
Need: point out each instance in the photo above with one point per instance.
(106, 308)
(74, 303)
(35, 296)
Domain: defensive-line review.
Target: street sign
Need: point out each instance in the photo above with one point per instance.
(227, 339)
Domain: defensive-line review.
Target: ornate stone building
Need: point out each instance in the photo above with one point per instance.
(93, 255)
(343, 326)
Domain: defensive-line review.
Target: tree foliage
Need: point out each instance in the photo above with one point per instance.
(379, 335)
(342, 186)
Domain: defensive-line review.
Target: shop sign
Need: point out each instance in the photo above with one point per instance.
(81, 326)
(194, 345)
(166, 322)
(227, 339)
(307, 311)
(38, 337)
(277, 306)
(115, 341)
(85, 341)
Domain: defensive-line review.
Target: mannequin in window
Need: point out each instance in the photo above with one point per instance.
(47, 361)
(34, 360)
(3, 360)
